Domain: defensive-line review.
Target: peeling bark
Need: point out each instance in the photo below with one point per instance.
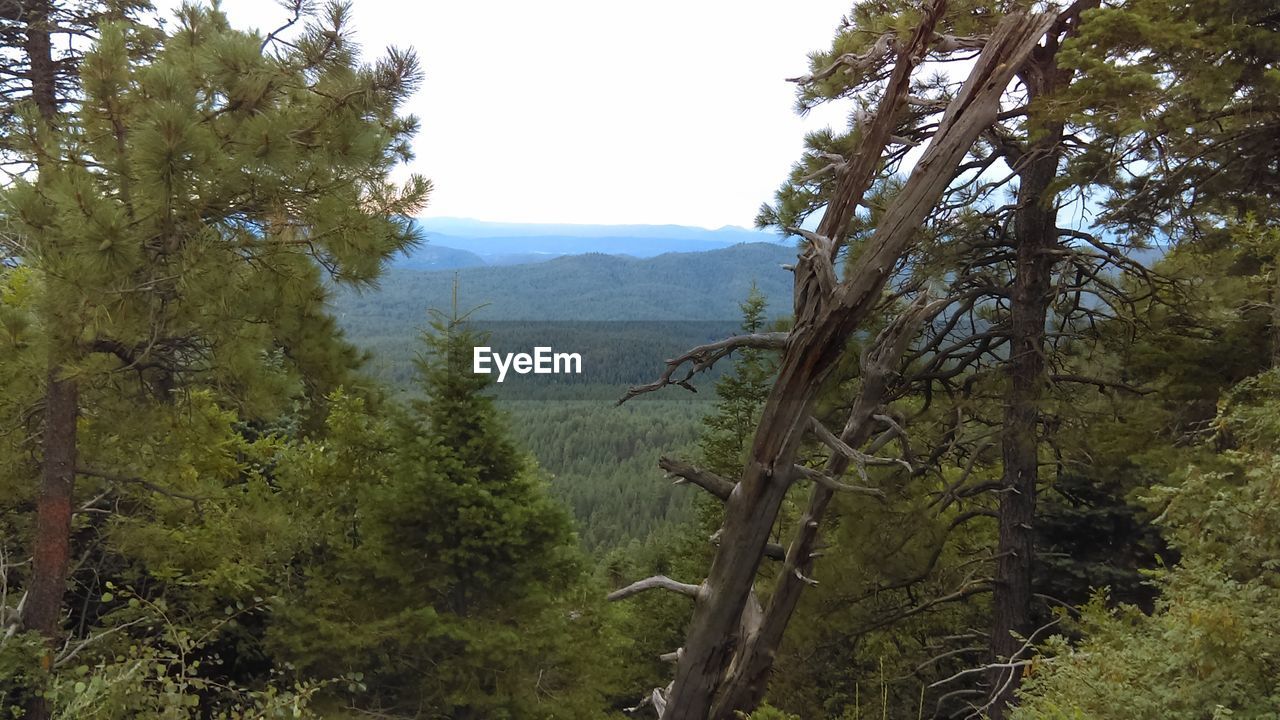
(826, 316)
(747, 683)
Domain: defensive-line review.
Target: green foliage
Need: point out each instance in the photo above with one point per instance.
(259, 534)
(769, 713)
(601, 461)
(1210, 647)
(447, 553)
(739, 397)
(1181, 97)
(188, 204)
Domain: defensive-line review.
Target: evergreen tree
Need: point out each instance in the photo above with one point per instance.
(739, 396)
(1210, 648)
(181, 219)
(460, 590)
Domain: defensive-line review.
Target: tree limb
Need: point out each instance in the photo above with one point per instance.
(703, 357)
(704, 479)
(113, 478)
(831, 483)
(657, 582)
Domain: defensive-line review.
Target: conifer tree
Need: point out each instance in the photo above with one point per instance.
(184, 213)
(740, 394)
(461, 590)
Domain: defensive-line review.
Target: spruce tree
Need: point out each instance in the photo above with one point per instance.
(461, 589)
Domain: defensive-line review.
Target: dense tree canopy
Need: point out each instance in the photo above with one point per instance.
(999, 439)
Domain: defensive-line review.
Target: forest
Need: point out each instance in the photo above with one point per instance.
(999, 441)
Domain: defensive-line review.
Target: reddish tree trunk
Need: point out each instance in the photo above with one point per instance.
(53, 509)
(43, 610)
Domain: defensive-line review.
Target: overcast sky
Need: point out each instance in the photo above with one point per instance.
(597, 111)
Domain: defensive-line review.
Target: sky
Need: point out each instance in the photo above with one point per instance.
(598, 111)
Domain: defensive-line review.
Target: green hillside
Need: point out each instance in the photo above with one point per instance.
(675, 286)
(625, 315)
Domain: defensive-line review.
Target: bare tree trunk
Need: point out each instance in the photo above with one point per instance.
(39, 50)
(53, 509)
(1035, 235)
(1275, 316)
(826, 316)
(749, 677)
(43, 610)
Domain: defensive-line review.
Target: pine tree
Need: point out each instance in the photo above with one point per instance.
(1210, 647)
(185, 212)
(740, 394)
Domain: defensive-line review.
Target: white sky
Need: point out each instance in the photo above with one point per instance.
(598, 111)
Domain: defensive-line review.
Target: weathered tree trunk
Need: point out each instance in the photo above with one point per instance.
(43, 610)
(39, 51)
(826, 316)
(1035, 237)
(749, 677)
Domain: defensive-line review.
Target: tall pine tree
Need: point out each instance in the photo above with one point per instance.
(181, 221)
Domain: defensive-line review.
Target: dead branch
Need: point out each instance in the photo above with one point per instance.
(159, 489)
(831, 483)
(704, 357)
(657, 582)
(823, 325)
(704, 479)
(71, 650)
(951, 43)
(772, 550)
(859, 458)
(1101, 384)
(852, 63)
(10, 618)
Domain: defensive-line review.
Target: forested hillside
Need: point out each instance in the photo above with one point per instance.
(625, 316)
(990, 432)
(594, 286)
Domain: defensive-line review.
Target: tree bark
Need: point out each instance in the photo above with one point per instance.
(826, 317)
(1275, 317)
(43, 611)
(1035, 236)
(749, 677)
(53, 508)
(38, 47)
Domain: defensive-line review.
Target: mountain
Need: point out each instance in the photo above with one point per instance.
(438, 257)
(594, 286)
(463, 227)
(511, 243)
(624, 315)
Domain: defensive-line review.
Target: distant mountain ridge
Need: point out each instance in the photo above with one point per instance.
(518, 243)
(591, 286)
(625, 314)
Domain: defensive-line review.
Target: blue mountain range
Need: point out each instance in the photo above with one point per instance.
(460, 243)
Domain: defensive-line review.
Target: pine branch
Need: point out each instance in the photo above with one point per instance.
(159, 489)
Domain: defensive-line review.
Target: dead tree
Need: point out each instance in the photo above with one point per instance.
(724, 662)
